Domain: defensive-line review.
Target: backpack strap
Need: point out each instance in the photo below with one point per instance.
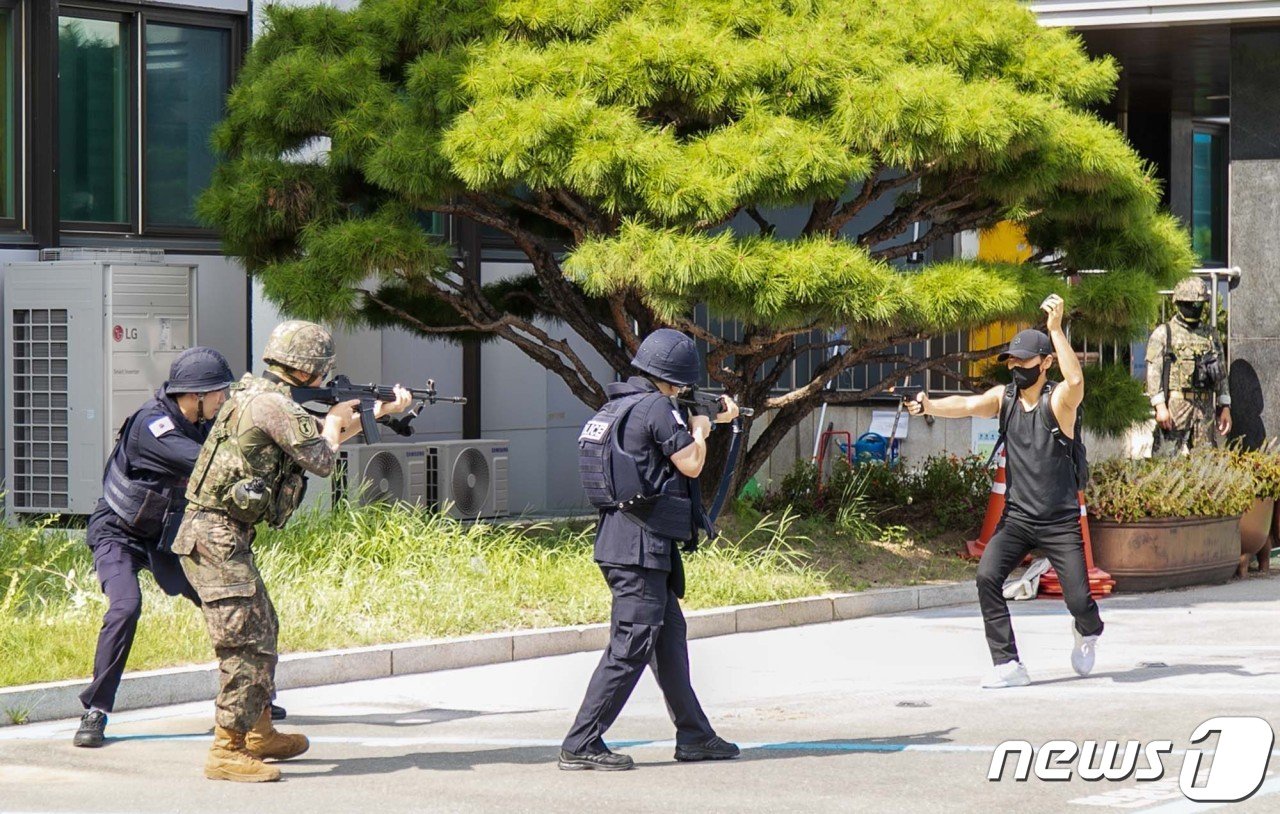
(1006, 411)
(1072, 447)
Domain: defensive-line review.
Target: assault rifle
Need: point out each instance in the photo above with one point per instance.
(708, 404)
(341, 389)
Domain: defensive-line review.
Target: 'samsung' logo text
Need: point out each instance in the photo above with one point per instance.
(1239, 760)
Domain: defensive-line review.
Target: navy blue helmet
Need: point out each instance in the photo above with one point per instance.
(671, 356)
(198, 370)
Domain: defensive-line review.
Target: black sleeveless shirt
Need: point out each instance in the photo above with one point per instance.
(1040, 474)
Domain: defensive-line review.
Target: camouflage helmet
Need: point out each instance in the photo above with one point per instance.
(303, 346)
(1191, 289)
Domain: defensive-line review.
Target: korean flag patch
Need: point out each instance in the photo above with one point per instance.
(160, 426)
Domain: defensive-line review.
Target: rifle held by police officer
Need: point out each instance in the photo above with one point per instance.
(708, 404)
(341, 389)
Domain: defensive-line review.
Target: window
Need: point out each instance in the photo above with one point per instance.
(10, 187)
(139, 95)
(93, 116)
(187, 75)
(1208, 197)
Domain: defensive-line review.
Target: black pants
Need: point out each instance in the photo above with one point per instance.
(118, 563)
(648, 629)
(1013, 539)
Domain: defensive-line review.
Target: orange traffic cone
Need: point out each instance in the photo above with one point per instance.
(1100, 582)
(995, 510)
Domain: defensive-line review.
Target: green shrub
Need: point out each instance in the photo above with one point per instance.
(944, 493)
(1206, 484)
(1264, 465)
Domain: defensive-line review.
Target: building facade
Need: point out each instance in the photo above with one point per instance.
(106, 107)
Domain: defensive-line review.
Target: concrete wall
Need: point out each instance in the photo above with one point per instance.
(534, 409)
(1254, 235)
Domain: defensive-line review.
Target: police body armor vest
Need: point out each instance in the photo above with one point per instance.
(141, 507)
(612, 480)
(223, 464)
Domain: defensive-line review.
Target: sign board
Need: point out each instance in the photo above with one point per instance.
(882, 423)
(984, 434)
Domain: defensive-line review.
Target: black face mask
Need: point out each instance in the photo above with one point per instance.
(1190, 311)
(1025, 377)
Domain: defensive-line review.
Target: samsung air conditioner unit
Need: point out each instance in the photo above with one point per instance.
(468, 479)
(381, 473)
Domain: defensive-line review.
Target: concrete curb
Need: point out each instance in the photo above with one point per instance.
(179, 685)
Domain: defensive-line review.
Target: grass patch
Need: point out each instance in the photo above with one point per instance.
(370, 576)
(897, 555)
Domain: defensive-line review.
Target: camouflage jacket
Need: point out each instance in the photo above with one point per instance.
(260, 433)
(1187, 344)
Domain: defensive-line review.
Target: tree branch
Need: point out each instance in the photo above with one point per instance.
(532, 340)
(767, 229)
(872, 190)
(936, 231)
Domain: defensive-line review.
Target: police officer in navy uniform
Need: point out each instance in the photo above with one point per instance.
(643, 567)
(134, 523)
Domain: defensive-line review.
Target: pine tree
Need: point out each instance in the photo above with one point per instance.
(637, 152)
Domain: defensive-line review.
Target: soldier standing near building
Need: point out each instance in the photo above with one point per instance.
(643, 452)
(251, 469)
(1186, 376)
(139, 512)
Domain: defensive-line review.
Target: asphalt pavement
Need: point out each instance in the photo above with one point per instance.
(881, 714)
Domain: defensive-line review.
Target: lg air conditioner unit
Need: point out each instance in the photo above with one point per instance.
(381, 473)
(467, 479)
(87, 341)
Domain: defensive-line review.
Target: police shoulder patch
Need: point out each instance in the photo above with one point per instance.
(160, 426)
(594, 430)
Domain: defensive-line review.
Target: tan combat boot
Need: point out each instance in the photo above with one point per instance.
(228, 760)
(264, 742)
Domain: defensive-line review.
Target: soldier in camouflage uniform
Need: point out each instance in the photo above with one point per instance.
(251, 469)
(1186, 347)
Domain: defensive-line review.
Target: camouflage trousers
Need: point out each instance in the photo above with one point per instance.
(1195, 426)
(218, 560)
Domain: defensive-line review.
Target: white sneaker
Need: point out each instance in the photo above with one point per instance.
(1009, 674)
(1083, 654)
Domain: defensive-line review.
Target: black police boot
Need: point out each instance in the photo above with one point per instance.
(278, 713)
(716, 748)
(92, 725)
(605, 761)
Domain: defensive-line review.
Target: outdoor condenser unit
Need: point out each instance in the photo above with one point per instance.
(87, 340)
(381, 473)
(468, 478)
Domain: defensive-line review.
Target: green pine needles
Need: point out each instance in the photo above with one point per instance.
(775, 160)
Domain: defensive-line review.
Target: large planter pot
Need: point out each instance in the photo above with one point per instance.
(1151, 555)
(1255, 533)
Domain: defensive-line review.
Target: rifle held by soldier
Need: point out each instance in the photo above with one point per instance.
(341, 389)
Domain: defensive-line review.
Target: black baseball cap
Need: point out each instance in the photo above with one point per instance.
(1027, 344)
